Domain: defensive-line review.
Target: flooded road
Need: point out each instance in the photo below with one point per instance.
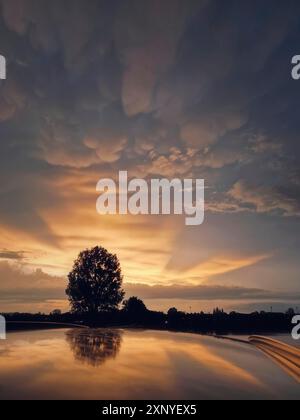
(136, 364)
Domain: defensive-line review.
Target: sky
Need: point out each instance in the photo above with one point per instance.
(196, 89)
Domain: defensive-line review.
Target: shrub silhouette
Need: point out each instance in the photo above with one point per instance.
(95, 283)
(134, 306)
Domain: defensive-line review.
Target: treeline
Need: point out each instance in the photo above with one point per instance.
(219, 322)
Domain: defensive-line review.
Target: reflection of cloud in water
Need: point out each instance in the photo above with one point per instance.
(94, 347)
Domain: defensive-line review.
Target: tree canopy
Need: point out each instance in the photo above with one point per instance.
(95, 282)
(134, 305)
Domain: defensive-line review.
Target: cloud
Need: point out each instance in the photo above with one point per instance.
(15, 15)
(13, 276)
(32, 288)
(61, 145)
(109, 139)
(175, 163)
(12, 98)
(264, 199)
(154, 88)
(147, 46)
(6, 254)
(18, 285)
(203, 292)
(222, 155)
(23, 199)
(206, 130)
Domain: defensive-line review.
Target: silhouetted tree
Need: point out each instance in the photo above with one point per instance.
(175, 318)
(134, 306)
(290, 312)
(172, 312)
(56, 312)
(95, 283)
(218, 311)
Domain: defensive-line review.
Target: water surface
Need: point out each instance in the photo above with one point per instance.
(136, 364)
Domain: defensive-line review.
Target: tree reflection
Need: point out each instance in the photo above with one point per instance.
(94, 347)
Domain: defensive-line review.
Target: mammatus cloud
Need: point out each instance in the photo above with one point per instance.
(147, 46)
(203, 130)
(12, 98)
(15, 15)
(107, 149)
(155, 88)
